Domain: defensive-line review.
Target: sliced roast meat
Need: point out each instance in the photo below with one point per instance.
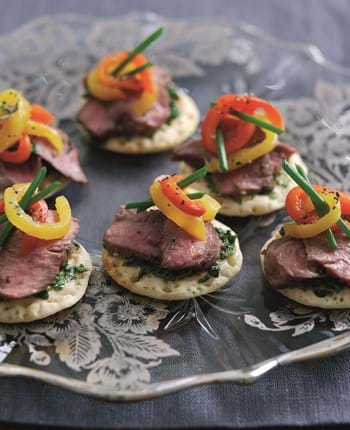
(335, 262)
(250, 178)
(27, 275)
(286, 263)
(180, 251)
(93, 115)
(65, 162)
(151, 237)
(116, 118)
(136, 234)
(4, 179)
(253, 177)
(289, 261)
(16, 173)
(192, 152)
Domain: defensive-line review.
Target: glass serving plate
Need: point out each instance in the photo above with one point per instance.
(119, 346)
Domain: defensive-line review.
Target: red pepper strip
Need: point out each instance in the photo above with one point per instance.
(145, 77)
(40, 114)
(19, 155)
(39, 211)
(178, 197)
(2, 206)
(243, 131)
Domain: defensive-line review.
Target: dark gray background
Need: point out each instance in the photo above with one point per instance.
(303, 394)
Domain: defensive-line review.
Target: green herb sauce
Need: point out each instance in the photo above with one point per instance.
(173, 97)
(67, 273)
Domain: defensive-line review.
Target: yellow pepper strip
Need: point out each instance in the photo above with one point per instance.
(211, 205)
(38, 129)
(20, 189)
(194, 226)
(12, 124)
(248, 154)
(100, 91)
(144, 102)
(303, 231)
(25, 223)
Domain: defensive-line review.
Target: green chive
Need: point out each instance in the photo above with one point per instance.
(142, 206)
(212, 104)
(220, 146)
(136, 70)
(47, 191)
(301, 172)
(344, 227)
(7, 227)
(257, 121)
(5, 232)
(195, 196)
(195, 176)
(172, 91)
(139, 48)
(32, 187)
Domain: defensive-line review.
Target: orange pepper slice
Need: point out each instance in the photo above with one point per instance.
(40, 114)
(19, 155)
(105, 68)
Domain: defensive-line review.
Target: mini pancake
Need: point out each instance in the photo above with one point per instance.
(164, 139)
(306, 296)
(32, 308)
(256, 204)
(182, 289)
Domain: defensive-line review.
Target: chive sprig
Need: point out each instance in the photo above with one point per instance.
(221, 150)
(195, 176)
(136, 70)
(139, 48)
(146, 204)
(257, 121)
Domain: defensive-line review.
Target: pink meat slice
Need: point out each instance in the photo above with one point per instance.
(27, 275)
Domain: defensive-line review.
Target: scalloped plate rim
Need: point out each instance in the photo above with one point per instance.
(247, 375)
